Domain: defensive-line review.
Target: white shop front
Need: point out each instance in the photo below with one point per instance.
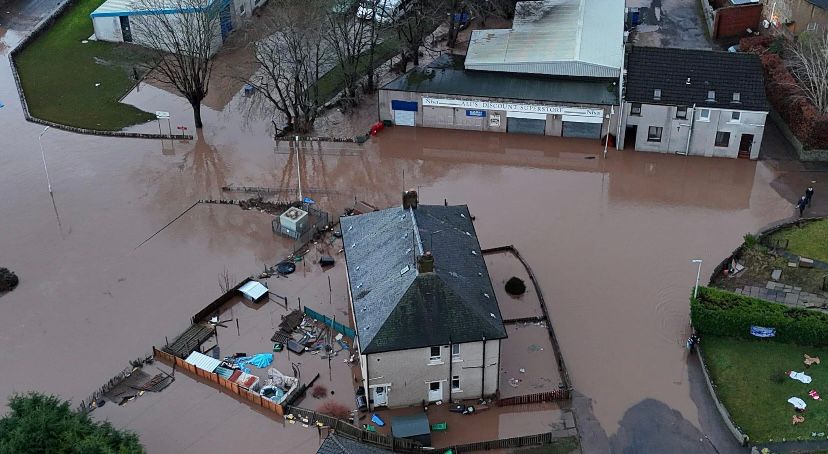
(514, 117)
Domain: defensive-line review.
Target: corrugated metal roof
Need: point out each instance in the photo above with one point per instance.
(445, 76)
(555, 37)
(253, 289)
(111, 8)
(202, 361)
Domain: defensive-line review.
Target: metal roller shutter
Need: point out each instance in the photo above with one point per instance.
(583, 127)
(525, 125)
(405, 112)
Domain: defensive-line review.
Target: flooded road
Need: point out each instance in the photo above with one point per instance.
(609, 240)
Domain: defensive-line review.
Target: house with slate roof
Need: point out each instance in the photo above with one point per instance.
(427, 320)
(697, 102)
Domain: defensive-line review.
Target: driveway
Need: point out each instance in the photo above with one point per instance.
(670, 23)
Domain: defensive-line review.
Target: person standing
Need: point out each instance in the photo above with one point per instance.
(809, 193)
(803, 202)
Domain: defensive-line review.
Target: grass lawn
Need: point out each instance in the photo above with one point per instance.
(751, 382)
(59, 74)
(332, 82)
(810, 240)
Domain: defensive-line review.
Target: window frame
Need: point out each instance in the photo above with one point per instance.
(718, 143)
(679, 108)
(633, 109)
(735, 117)
(703, 117)
(455, 389)
(435, 358)
(455, 356)
(711, 95)
(812, 27)
(650, 135)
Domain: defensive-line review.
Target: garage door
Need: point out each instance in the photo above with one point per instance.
(438, 117)
(584, 127)
(405, 112)
(525, 125)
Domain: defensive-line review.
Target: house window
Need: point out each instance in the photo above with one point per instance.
(737, 97)
(711, 96)
(654, 134)
(435, 354)
(455, 383)
(455, 351)
(657, 94)
(813, 26)
(735, 117)
(722, 139)
(704, 115)
(681, 112)
(635, 109)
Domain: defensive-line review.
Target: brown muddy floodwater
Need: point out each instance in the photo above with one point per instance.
(610, 241)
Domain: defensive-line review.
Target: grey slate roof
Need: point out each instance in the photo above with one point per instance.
(667, 69)
(819, 3)
(337, 444)
(397, 308)
(447, 76)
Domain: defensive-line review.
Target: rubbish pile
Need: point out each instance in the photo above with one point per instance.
(300, 334)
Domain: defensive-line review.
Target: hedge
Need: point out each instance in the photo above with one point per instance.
(804, 120)
(724, 313)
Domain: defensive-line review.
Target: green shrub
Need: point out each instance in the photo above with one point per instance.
(750, 240)
(724, 313)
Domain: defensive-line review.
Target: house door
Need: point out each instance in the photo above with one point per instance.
(745, 145)
(435, 391)
(125, 31)
(380, 396)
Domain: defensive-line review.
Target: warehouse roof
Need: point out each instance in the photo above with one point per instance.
(396, 307)
(337, 444)
(690, 76)
(447, 76)
(112, 8)
(581, 38)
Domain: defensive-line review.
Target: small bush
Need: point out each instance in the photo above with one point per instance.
(335, 409)
(750, 240)
(8, 280)
(319, 391)
(724, 313)
(515, 286)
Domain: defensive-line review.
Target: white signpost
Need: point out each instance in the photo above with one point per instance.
(161, 115)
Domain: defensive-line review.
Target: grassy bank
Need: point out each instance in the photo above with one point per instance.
(810, 241)
(751, 383)
(560, 446)
(59, 75)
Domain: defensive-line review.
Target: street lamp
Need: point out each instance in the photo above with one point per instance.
(698, 275)
(43, 156)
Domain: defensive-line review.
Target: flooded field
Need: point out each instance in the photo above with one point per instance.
(609, 240)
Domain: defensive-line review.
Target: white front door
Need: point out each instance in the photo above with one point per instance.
(380, 395)
(435, 391)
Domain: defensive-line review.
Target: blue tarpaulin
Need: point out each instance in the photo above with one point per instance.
(308, 200)
(260, 360)
(760, 331)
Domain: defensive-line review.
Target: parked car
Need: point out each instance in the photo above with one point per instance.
(386, 10)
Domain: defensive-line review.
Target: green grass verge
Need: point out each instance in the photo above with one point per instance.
(560, 446)
(810, 240)
(751, 383)
(332, 82)
(59, 74)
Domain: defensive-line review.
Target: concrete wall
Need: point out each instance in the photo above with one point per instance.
(409, 372)
(455, 118)
(108, 29)
(702, 143)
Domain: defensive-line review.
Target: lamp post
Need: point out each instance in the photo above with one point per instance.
(43, 156)
(698, 276)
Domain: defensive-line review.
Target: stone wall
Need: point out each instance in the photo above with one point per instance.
(804, 155)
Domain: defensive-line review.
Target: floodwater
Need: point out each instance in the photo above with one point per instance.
(610, 241)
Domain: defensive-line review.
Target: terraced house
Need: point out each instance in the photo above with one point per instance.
(427, 320)
(694, 102)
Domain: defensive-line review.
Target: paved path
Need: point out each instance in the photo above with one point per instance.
(780, 292)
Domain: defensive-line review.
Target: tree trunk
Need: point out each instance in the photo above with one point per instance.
(197, 114)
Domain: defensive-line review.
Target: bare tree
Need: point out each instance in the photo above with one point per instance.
(475, 8)
(184, 35)
(290, 59)
(420, 19)
(226, 280)
(808, 62)
(349, 38)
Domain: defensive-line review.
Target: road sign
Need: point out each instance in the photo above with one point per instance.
(159, 114)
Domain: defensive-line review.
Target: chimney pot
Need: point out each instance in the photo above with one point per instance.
(425, 263)
(410, 199)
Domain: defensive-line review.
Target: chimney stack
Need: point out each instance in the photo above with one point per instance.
(425, 263)
(410, 199)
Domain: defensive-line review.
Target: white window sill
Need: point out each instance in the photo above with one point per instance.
(456, 390)
(435, 363)
(706, 120)
(457, 360)
(734, 122)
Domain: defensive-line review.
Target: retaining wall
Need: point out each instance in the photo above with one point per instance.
(40, 28)
(804, 154)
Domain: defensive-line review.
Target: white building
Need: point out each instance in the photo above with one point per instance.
(128, 20)
(695, 102)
